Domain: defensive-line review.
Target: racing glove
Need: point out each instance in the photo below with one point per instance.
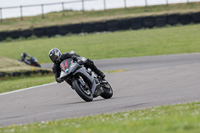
(74, 58)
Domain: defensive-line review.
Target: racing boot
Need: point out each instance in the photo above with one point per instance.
(101, 76)
(100, 73)
(90, 64)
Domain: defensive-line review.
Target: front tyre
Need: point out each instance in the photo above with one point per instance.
(108, 92)
(83, 91)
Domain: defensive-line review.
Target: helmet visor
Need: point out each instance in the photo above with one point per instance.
(53, 58)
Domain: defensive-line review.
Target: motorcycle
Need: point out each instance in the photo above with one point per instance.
(84, 81)
(32, 61)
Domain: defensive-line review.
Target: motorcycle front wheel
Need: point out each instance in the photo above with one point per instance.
(83, 91)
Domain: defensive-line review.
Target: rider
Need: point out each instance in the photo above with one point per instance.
(23, 58)
(56, 57)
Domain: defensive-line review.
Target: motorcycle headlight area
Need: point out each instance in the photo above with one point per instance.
(67, 70)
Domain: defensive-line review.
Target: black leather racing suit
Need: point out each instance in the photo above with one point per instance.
(23, 58)
(88, 64)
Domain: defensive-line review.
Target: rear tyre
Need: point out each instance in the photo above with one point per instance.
(83, 91)
(108, 92)
(37, 64)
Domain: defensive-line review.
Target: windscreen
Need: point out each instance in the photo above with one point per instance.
(65, 65)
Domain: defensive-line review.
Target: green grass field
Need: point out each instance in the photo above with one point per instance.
(169, 40)
(165, 119)
(158, 41)
(71, 17)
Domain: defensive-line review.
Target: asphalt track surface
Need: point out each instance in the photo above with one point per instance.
(148, 82)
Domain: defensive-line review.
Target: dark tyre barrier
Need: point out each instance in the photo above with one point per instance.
(17, 74)
(136, 23)
(185, 19)
(47, 71)
(39, 32)
(2, 74)
(3, 35)
(27, 73)
(112, 25)
(51, 31)
(124, 24)
(89, 28)
(63, 30)
(100, 26)
(14, 74)
(160, 21)
(15, 34)
(173, 19)
(26, 33)
(149, 22)
(75, 28)
(42, 72)
(196, 17)
(35, 72)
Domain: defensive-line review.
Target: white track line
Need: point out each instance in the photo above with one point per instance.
(27, 89)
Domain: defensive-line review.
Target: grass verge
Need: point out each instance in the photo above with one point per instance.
(146, 42)
(182, 118)
(71, 17)
(12, 84)
(12, 65)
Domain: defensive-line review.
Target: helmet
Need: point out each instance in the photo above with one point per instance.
(54, 53)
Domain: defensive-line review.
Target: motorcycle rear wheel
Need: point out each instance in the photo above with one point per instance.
(84, 93)
(37, 64)
(108, 92)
